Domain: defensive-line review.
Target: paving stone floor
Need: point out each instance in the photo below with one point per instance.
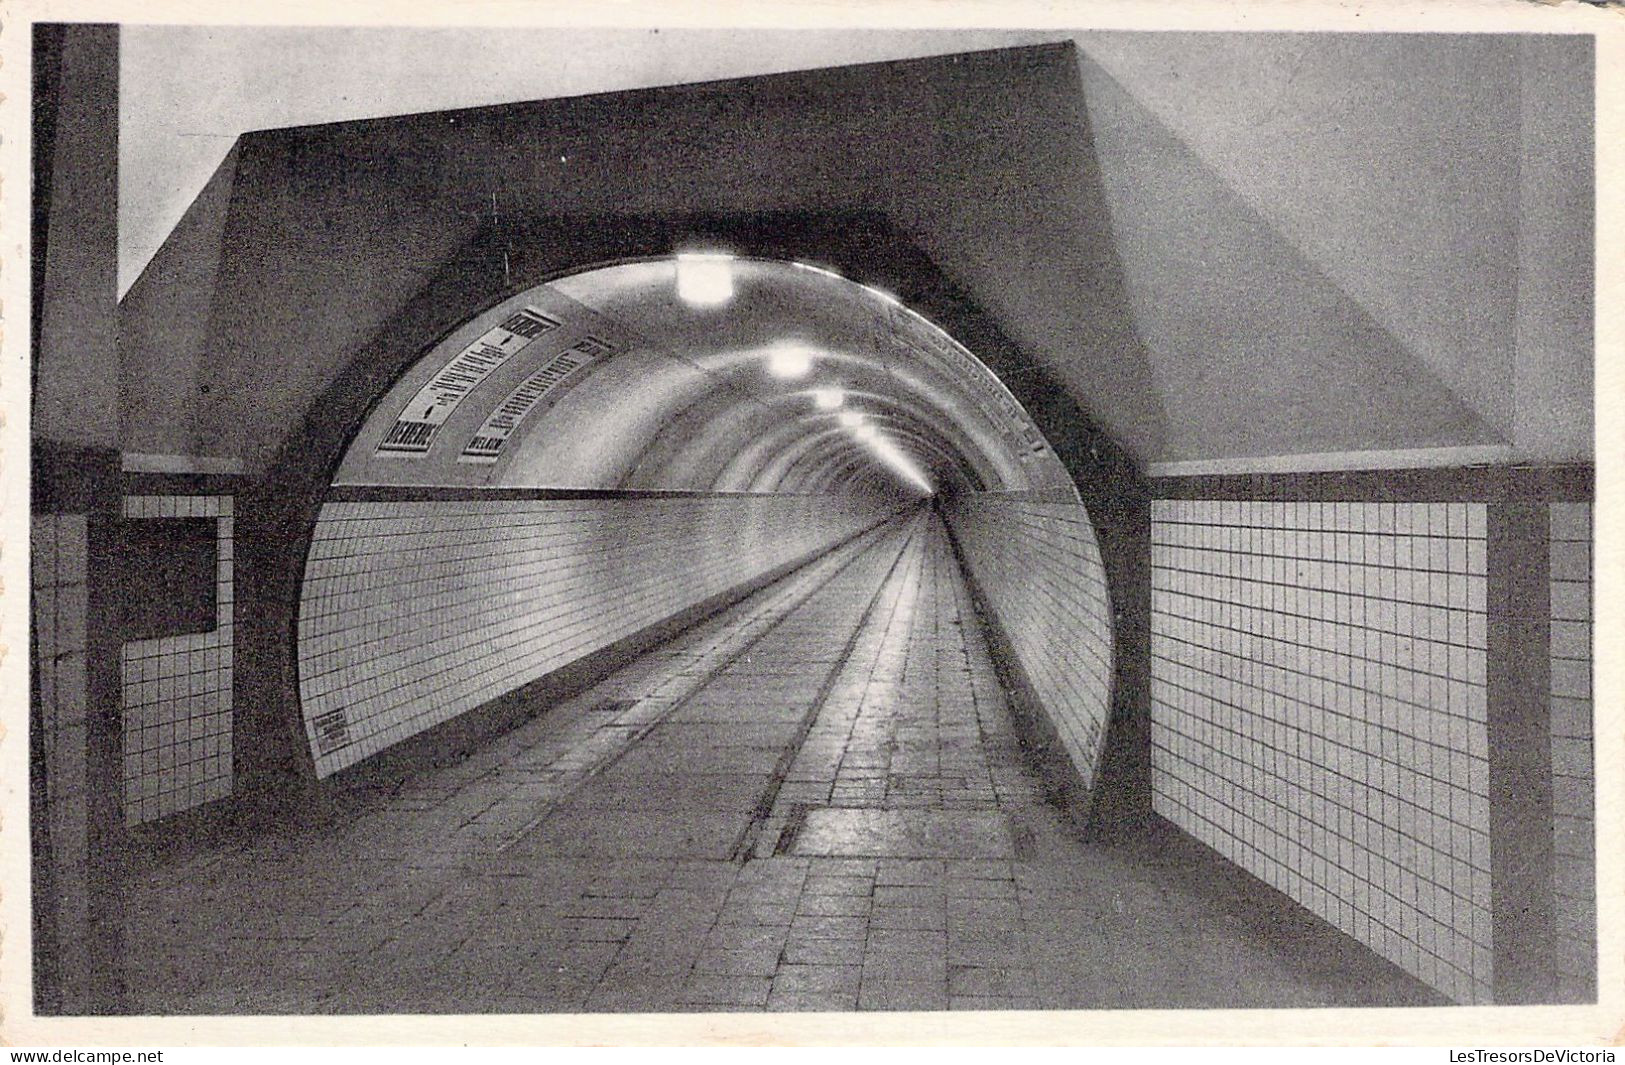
(814, 801)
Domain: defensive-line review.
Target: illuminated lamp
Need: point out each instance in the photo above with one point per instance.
(705, 279)
(788, 360)
(828, 398)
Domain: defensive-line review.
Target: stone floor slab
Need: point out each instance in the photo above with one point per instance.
(920, 833)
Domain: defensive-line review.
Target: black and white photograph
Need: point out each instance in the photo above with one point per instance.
(871, 517)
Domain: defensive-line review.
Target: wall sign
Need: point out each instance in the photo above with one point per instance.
(416, 425)
(542, 388)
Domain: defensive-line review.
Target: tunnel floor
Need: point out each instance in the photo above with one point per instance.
(815, 800)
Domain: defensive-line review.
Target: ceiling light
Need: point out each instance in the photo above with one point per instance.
(849, 419)
(894, 458)
(900, 464)
(705, 280)
(828, 398)
(789, 360)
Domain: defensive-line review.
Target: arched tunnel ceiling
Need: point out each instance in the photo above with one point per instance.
(789, 378)
(1227, 248)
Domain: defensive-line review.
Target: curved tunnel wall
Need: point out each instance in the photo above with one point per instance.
(434, 586)
(605, 379)
(273, 754)
(1037, 572)
(416, 611)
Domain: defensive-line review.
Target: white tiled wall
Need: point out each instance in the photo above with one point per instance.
(177, 689)
(413, 612)
(1319, 716)
(1038, 567)
(1572, 788)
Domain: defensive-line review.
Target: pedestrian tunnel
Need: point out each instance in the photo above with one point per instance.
(468, 462)
(586, 466)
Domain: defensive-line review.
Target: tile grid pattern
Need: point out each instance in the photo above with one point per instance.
(415, 612)
(409, 907)
(1572, 759)
(1319, 715)
(177, 689)
(1038, 567)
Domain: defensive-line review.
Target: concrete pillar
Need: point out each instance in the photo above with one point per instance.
(75, 720)
(1522, 915)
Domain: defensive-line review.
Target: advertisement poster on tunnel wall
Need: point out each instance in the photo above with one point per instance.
(415, 428)
(538, 392)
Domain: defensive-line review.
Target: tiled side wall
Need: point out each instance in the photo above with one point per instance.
(1037, 566)
(413, 612)
(177, 689)
(1572, 758)
(59, 548)
(1319, 715)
